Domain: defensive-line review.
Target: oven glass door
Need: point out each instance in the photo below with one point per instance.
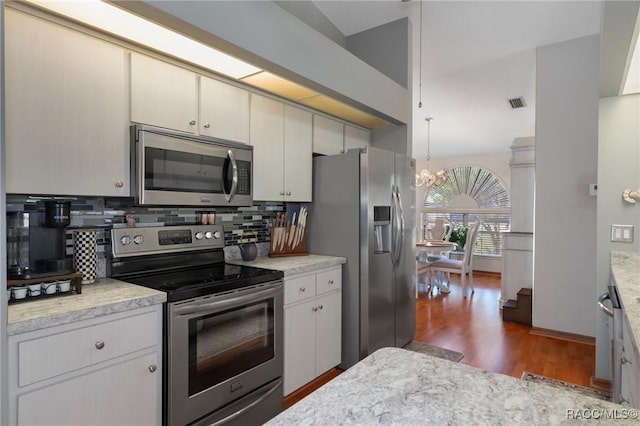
(221, 348)
(225, 344)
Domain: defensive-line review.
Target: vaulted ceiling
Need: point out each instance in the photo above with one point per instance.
(475, 56)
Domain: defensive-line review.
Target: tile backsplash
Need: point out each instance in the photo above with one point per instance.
(103, 214)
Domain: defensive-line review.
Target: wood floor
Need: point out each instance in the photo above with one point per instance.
(474, 327)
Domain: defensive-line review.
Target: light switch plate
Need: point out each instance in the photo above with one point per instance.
(622, 233)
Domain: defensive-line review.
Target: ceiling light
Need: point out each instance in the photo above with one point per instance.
(425, 177)
(134, 28)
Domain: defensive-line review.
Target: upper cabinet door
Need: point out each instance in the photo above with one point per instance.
(298, 158)
(328, 136)
(66, 111)
(163, 95)
(267, 138)
(355, 137)
(224, 110)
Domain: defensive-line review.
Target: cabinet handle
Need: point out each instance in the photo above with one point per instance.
(119, 184)
(302, 289)
(192, 122)
(207, 125)
(288, 192)
(152, 368)
(625, 360)
(99, 345)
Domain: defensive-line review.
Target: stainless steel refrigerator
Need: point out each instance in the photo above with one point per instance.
(364, 209)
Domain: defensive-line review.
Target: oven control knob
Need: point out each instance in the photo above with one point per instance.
(208, 235)
(125, 240)
(138, 239)
(199, 235)
(217, 235)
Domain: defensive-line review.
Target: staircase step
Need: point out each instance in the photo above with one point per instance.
(525, 291)
(510, 304)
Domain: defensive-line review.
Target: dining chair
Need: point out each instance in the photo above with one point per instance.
(463, 267)
(424, 273)
(441, 230)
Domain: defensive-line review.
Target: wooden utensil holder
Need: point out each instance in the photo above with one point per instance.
(280, 246)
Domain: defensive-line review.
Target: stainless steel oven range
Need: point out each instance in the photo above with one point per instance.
(223, 324)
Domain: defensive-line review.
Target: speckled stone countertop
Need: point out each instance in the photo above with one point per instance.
(398, 387)
(291, 265)
(626, 273)
(107, 296)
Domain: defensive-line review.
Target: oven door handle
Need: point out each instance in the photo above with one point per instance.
(260, 396)
(209, 305)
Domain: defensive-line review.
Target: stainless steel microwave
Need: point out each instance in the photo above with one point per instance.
(180, 169)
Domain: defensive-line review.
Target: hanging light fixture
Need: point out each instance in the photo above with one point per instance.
(425, 177)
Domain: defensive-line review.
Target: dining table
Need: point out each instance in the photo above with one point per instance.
(428, 252)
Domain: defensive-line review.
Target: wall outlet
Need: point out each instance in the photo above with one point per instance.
(622, 233)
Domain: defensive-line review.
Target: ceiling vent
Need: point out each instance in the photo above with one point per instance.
(517, 103)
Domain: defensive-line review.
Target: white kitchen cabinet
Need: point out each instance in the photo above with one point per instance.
(312, 326)
(106, 370)
(66, 109)
(630, 383)
(163, 94)
(224, 111)
(328, 136)
(355, 137)
(282, 157)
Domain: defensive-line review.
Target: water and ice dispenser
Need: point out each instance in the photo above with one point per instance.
(382, 228)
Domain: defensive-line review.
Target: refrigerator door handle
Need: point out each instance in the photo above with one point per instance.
(398, 224)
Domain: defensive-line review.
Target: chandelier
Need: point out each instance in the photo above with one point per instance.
(425, 177)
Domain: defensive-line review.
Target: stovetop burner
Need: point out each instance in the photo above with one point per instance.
(183, 261)
(210, 279)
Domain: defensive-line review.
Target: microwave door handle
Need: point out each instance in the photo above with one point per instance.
(234, 179)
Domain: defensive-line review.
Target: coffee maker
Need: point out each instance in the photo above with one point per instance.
(36, 241)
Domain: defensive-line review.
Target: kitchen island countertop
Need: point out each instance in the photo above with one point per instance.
(291, 265)
(625, 267)
(106, 296)
(396, 386)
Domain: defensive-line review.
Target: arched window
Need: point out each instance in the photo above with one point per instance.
(469, 195)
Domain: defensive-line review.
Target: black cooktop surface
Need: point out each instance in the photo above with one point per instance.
(204, 280)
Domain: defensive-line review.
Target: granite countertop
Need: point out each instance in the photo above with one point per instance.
(106, 296)
(625, 267)
(396, 386)
(291, 265)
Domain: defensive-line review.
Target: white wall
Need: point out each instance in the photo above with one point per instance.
(566, 163)
(618, 169)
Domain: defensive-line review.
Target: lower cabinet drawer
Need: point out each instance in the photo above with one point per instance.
(300, 288)
(50, 356)
(328, 281)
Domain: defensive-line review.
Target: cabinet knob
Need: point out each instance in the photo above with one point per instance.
(99, 345)
(302, 289)
(152, 368)
(207, 125)
(288, 192)
(330, 282)
(320, 307)
(625, 360)
(623, 400)
(281, 192)
(119, 184)
(315, 309)
(192, 122)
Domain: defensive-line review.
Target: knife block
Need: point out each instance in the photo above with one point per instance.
(280, 246)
